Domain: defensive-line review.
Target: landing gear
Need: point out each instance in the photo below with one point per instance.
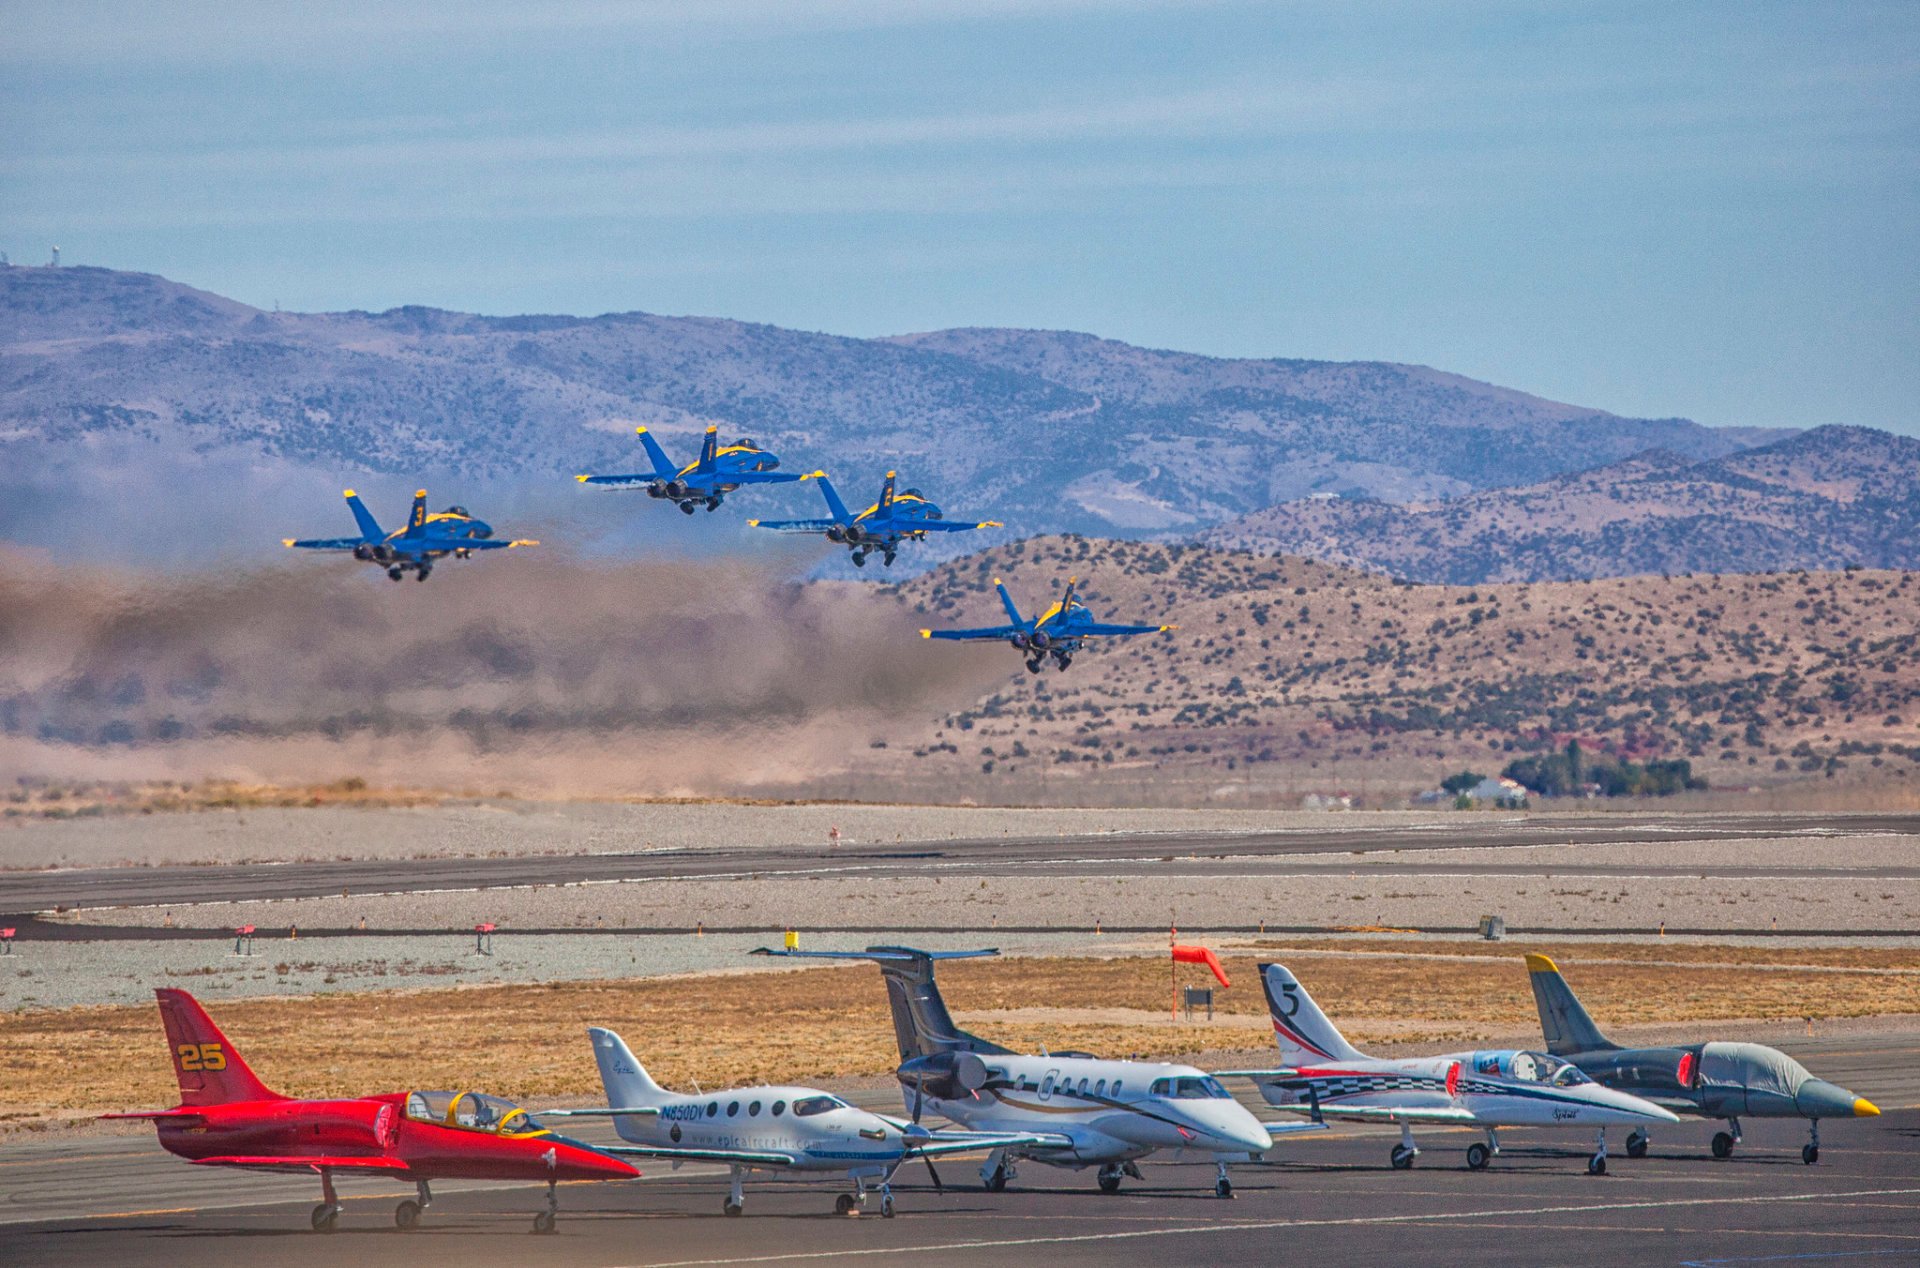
(886, 1202)
(859, 558)
(1478, 1156)
(1222, 1183)
(1110, 1178)
(1406, 1151)
(395, 573)
(407, 1214)
(887, 559)
(1723, 1142)
(736, 1200)
(1637, 1142)
(1035, 665)
(996, 1171)
(1810, 1152)
(327, 1214)
(1597, 1165)
(686, 508)
(1063, 659)
(844, 1204)
(543, 1222)
(422, 574)
(713, 504)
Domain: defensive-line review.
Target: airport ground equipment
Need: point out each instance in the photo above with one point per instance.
(768, 1128)
(1728, 1081)
(904, 516)
(706, 481)
(228, 1118)
(428, 537)
(1059, 632)
(1327, 1077)
(1083, 1111)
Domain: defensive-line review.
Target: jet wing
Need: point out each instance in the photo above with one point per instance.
(943, 1143)
(468, 543)
(985, 634)
(322, 543)
(764, 477)
(304, 1163)
(794, 526)
(1120, 630)
(637, 1111)
(744, 1157)
(1293, 1129)
(1278, 1072)
(1387, 1113)
(950, 526)
(635, 481)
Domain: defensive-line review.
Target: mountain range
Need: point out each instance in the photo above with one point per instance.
(134, 409)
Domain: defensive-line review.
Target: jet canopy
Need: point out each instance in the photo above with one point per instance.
(470, 1111)
(1190, 1089)
(1529, 1067)
(808, 1106)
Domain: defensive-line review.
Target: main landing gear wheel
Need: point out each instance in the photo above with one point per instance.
(887, 559)
(1637, 1144)
(1597, 1165)
(1809, 1154)
(1722, 1145)
(325, 1217)
(1223, 1188)
(886, 1206)
(686, 508)
(543, 1222)
(998, 1180)
(422, 574)
(394, 574)
(730, 1207)
(1478, 1156)
(1109, 1179)
(1035, 666)
(407, 1214)
(859, 559)
(713, 504)
(1401, 1157)
(844, 1204)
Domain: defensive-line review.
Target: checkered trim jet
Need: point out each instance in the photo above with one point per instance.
(1327, 1077)
(718, 471)
(1712, 1080)
(768, 1128)
(906, 516)
(428, 536)
(1058, 632)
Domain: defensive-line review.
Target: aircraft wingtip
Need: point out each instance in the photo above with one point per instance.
(286, 541)
(348, 493)
(753, 523)
(926, 633)
(582, 479)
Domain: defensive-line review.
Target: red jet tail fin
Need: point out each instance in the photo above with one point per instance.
(211, 1070)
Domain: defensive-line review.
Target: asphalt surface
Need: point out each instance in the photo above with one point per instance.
(22, 893)
(1327, 1200)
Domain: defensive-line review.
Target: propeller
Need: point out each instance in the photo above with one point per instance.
(949, 1075)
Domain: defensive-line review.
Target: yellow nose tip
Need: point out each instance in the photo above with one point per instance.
(1863, 1108)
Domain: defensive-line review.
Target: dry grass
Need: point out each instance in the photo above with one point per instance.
(828, 1023)
(46, 799)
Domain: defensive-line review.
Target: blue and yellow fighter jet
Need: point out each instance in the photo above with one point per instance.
(718, 471)
(895, 518)
(426, 537)
(1057, 632)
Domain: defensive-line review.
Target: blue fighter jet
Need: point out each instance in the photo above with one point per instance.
(717, 472)
(426, 537)
(1059, 631)
(895, 518)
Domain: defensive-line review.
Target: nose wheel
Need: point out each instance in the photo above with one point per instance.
(543, 1222)
(1810, 1152)
(1723, 1142)
(1109, 1178)
(1222, 1184)
(1406, 1151)
(1597, 1165)
(326, 1216)
(1637, 1142)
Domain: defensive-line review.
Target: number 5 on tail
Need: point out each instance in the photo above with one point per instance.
(200, 1056)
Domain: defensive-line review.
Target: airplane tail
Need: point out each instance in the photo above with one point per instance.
(1066, 600)
(627, 1082)
(835, 506)
(1305, 1035)
(1006, 601)
(709, 446)
(369, 527)
(921, 1024)
(886, 491)
(210, 1069)
(662, 466)
(1563, 1021)
(417, 519)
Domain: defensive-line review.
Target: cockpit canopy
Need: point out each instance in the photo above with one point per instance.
(1529, 1067)
(461, 511)
(808, 1106)
(472, 1111)
(1190, 1088)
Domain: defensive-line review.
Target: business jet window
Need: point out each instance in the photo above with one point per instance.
(733, 1108)
(812, 1105)
(713, 1109)
(779, 1108)
(1199, 1090)
(1083, 1087)
(1100, 1088)
(753, 1108)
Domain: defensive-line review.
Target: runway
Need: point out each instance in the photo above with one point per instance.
(1173, 854)
(1328, 1200)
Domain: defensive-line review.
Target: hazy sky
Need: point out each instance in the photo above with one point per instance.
(1703, 209)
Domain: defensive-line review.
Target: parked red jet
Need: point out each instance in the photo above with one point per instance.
(228, 1118)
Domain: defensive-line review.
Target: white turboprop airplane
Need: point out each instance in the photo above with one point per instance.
(765, 1128)
(1326, 1076)
(1081, 1111)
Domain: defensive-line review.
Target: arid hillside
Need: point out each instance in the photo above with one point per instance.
(1295, 675)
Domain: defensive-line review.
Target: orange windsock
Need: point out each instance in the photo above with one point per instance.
(1201, 955)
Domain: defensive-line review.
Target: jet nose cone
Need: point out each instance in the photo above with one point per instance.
(576, 1161)
(1246, 1135)
(1631, 1108)
(1817, 1098)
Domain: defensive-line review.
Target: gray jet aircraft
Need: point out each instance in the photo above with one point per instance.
(1713, 1080)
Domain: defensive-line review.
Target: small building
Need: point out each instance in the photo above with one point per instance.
(1498, 790)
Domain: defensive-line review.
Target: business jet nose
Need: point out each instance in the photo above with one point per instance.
(1243, 1134)
(1817, 1098)
(1627, 1108)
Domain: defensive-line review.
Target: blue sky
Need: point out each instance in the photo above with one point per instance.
(1701, 209)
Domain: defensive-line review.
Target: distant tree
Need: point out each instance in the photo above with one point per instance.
(1461, 782)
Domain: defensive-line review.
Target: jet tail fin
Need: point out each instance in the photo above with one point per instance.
(921, 1023)
(662, 466)
(835, 506)
(886, 491)
(1563, 1020)
(626, 1081)
(210, 1069)
(417, 518)
(1006, 601)
(369, 527)
(1305, 1034)
(709, 446)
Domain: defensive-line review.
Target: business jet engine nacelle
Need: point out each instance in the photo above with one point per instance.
(945, 1076)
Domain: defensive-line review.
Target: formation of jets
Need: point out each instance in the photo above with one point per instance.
(896, 517)
(1068, 1110)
